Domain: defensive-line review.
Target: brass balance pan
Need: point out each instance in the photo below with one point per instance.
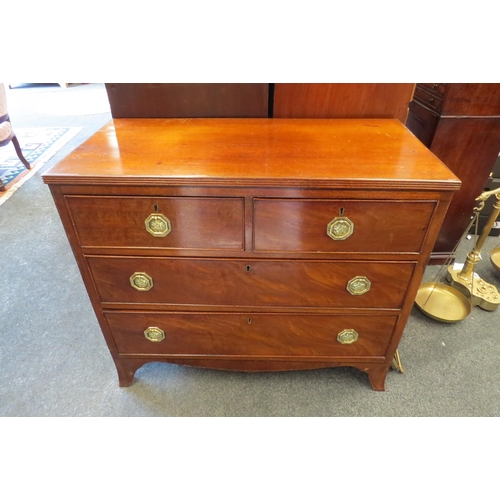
(442, 302)
(495, 258)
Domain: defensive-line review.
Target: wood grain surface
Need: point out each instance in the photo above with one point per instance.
(249, 282)
(338, 153)
(251, 334)
(342, 100)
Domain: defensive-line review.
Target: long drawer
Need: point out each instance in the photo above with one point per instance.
(160, 222)
(355, 226)
(241, 282)
(250, 334)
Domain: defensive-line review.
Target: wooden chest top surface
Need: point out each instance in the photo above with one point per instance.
(336, 153)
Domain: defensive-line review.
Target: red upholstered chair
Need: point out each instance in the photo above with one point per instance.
(6, 132)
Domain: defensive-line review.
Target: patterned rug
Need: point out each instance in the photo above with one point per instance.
(38, 146)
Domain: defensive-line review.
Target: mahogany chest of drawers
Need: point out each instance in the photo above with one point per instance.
(252, 244)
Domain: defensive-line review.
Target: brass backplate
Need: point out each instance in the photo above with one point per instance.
(154, 334)
(158, 225)
(347, 336)
(340, 228)
(359, 285)
(141, 281)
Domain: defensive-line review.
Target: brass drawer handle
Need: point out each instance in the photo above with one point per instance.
(158, 225)
(348, 336)
(154, 334)
(340, 228)
(358, 285)
(141, 281)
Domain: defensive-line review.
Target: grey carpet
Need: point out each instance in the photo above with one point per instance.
(54, 361)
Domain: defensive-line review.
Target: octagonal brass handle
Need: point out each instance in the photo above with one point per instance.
(348, 336)
(158, 225)
(141, 281)
(358, 285)
(340, 228)
(154, 334)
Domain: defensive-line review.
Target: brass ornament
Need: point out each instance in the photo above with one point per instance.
(154, 334)
(359, 285)
(396, 363)
(454, 302)
(476, 290)
(340, 228)
(158, 225)
(141, 281)
(495, 258)
(463, 278)
(442, 302)
(347, 336)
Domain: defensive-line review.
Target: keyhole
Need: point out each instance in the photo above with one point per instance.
(248, 268)
(341, 211)
(249, 321)
(155, 208)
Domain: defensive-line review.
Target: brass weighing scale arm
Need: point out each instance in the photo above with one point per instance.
(481, 293)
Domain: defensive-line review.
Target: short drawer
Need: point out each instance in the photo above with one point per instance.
(432, 100)
(375, 226)
(250, 334)
(144, 222)
(238, 282)
(438, 88)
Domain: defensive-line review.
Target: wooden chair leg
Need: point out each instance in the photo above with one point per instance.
(19, 152)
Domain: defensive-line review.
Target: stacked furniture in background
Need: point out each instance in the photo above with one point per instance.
(188, 100)
(342, 100)
(260, 100)
(460, 124)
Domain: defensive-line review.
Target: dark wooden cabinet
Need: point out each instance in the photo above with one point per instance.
(342, 100)
(460, 123)
(252, 244)
(188, 100)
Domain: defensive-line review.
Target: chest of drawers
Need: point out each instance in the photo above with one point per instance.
(252, 244)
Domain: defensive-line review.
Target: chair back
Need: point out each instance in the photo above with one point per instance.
(3, 100)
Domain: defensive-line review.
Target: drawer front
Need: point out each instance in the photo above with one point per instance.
(238, 282)
(123, 221)
(251, 335)
(377, 226)
(437, 88)
(431, 100)
(422, 122)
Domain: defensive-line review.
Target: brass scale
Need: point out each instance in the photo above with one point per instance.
(453, 302)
